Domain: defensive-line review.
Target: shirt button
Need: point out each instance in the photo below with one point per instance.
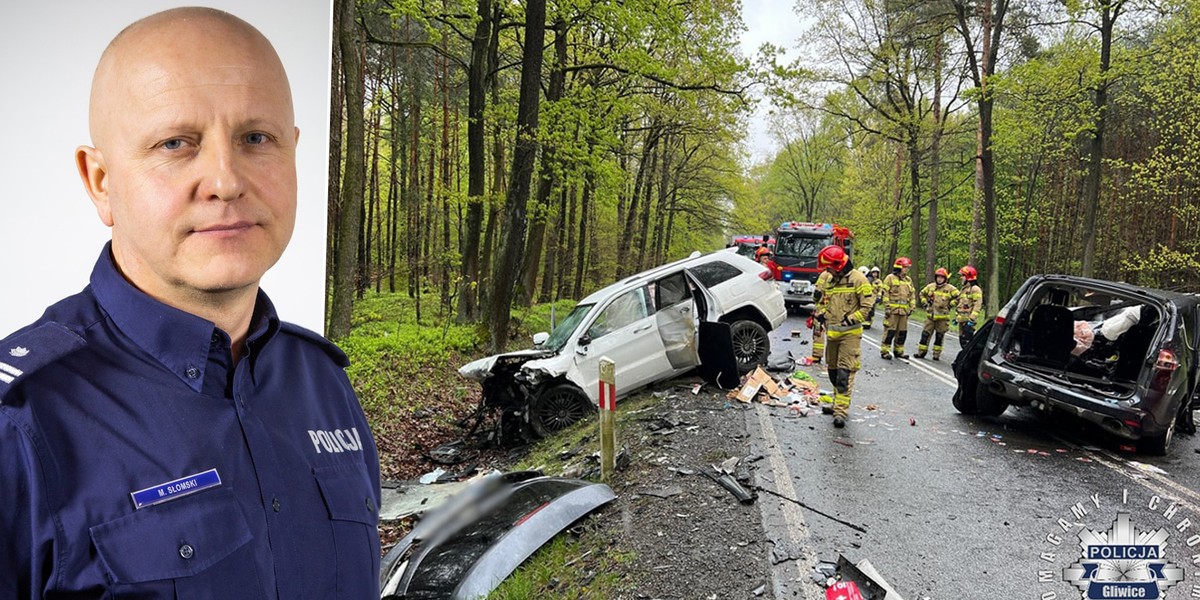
(186, 551)
(192, 372)
(276, 504)
(370, 505)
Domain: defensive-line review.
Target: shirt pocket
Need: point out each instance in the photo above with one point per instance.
(354, 521)
(197, 546)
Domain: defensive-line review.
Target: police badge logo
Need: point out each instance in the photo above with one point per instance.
(1123, 563)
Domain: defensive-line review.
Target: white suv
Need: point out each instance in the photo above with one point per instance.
(647, 324)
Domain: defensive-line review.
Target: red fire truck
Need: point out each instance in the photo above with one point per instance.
(796, 248)
(747, 245)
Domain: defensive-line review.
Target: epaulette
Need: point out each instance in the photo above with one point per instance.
(28, 351)
(329, 347)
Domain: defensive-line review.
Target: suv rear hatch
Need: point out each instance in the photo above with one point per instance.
(1085, 335)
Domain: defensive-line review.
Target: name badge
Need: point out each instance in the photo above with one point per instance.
(175, 489)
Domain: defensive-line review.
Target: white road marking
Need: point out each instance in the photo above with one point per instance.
(797, 528)
(940, 376)
(1154, 482)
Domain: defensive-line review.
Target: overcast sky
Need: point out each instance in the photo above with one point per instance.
(50, 235)
(775, 22)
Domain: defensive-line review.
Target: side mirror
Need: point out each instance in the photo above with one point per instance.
(584, 340)
(540, 338)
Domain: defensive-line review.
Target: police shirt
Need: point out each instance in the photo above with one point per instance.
(138, 461)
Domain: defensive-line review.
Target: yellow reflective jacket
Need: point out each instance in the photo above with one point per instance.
(899, 294)
(847, 302)
(938, 299)
(822, 286)
(970, 303)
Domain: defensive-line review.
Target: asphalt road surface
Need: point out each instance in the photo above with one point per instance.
(958, 507)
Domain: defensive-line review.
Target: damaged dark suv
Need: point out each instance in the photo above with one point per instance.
(1120, 356)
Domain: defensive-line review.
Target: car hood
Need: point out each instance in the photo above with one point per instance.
(481, 369)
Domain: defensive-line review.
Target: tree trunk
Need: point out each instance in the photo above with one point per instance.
(508, 263)
(629, 219)
(334, 202)
(468, 307)
(1109, 10)
(914, 182)
(897, 199)
(352, 184)
(583, 240)
(935, 157)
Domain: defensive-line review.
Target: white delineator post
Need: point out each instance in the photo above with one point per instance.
(608, 413)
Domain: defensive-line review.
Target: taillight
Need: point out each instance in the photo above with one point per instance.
(1166, 361)
(1002, 316)
(766, 275)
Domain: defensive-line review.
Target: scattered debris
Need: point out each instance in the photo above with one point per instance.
(858, 528)
(844, 442)
(696, 388)
(872, 407)
(432, 476)
(727, 481)
(758, 591)
(663, 492)
(912, 421)
(1146, 468)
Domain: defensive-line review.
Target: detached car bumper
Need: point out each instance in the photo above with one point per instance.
(1021, 388)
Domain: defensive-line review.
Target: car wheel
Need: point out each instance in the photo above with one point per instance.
(1158, 445)
(558, 407)
(964, 400)
(987, 403)
(750, 345)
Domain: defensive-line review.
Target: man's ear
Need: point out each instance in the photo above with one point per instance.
(94, 173)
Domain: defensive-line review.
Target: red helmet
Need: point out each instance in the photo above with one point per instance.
(942, 272)
(968, 273)
(902, 262)
(832, 257)
(761, 251)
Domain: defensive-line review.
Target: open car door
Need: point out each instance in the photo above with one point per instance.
(676, 317)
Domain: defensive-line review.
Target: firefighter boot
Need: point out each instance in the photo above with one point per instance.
(937, 345)
(841, 397)
(923, 345)
(901, 337)
(887, 343)
(826, 408)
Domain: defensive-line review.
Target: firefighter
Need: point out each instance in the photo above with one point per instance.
(844, 306)
(970, 304)
(766, 258)
(816, 321)
(873, 279)
(937, 298)
(900, 296)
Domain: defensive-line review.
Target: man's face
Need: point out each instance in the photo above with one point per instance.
(194, 166)
(939, 279)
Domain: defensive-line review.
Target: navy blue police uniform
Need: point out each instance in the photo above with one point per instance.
(137, 460)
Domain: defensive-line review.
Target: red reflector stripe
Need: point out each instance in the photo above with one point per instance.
(765, 275)
(530, 514)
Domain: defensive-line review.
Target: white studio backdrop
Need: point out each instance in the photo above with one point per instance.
(50, 235)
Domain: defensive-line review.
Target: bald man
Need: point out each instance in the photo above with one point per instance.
(162, 433)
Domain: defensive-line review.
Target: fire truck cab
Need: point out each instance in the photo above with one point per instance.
(796, 248)
(747, 245)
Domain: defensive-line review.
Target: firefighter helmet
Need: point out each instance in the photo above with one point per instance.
(832, 257)
(902, 262)
(874, 270)
(863, 270)
(762, 251)
(941, 272)
(968, 273)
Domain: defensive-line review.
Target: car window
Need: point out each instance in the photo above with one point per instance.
(672, 290)
(714, 273)
(626, 309)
